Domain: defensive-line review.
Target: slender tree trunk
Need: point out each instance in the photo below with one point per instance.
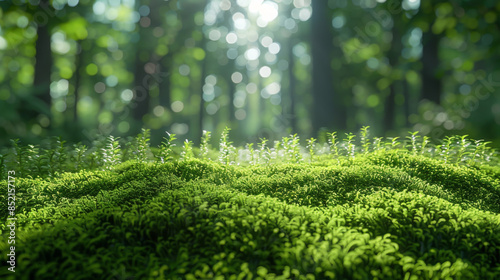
(141, 91)
(389, 108)
(231, 89)
(165, 83)
(142, 80)
(43, 66)
(201, 111)
(393, 55)
(326, 111)
(291, 88)
(77, 77)
(406, 104)
(431, 83)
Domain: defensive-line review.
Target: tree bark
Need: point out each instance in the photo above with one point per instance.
(77, 78)
(231, 88)
(291, 88)
(406, 94)
(326, 111)
(165, 83)
(43, 66)
(201, 111)
(431, 83)
(393, 56)
(141, 91)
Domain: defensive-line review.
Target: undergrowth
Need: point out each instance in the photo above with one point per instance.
(106, 152)
(356, 208)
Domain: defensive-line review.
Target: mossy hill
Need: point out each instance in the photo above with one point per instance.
(373, 214)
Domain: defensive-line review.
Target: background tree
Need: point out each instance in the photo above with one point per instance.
(265, 68)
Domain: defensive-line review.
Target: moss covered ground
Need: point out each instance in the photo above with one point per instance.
(343, 210)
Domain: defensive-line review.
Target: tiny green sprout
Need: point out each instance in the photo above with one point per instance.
(50, 159)
(377, 143)
(264, 151)
(32, 155)
(187, 150)
(446, 148)
(292, 148)
(394, 143)
(463, 144)
(413, 139)
(481, 149)
(332, 140)
(78, 155)
(166, 147)
(310, 148)
(425, 141)
(18, 153)
(287, 148)
(252, 153)
(142, 145)
(205, 140)
(61, 152)
(225, 147)
(365, 142)
(350, 146)
(111, 153)
(279, 149)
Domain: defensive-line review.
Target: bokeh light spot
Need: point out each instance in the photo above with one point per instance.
(265, 71)
(105, 117)
(127, 95)
(372, 100)
(177, 106)
(211, 79)
(240, 114)
(236, 77)
(91, 69)
(252, 54)
(158, 111)
(184, 70)
(251, 88)
(123, 127)
(338, 21)
(212, 108)
(231, 38)
(99, 87)
(180, 128)
(274, 48)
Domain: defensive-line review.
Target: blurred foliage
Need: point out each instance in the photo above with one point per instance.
(186, 66)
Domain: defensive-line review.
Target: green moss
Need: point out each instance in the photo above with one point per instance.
(358, 213)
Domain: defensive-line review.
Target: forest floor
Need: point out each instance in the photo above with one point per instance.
(387, 214)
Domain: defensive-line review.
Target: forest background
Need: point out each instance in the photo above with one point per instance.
(83, 68)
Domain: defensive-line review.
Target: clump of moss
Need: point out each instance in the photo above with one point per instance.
(357, 209)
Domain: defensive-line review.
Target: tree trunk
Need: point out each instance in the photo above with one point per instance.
(406, 94)
(141, 91)
(165, 83)
(231, 88)
(326, 111)
(393, 56)
(43, 67)
(431, 83)
(291, 88)
(77, 77)
(201, 112)
(142, 80)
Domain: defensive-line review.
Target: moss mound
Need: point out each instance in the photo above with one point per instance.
(383, 215)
